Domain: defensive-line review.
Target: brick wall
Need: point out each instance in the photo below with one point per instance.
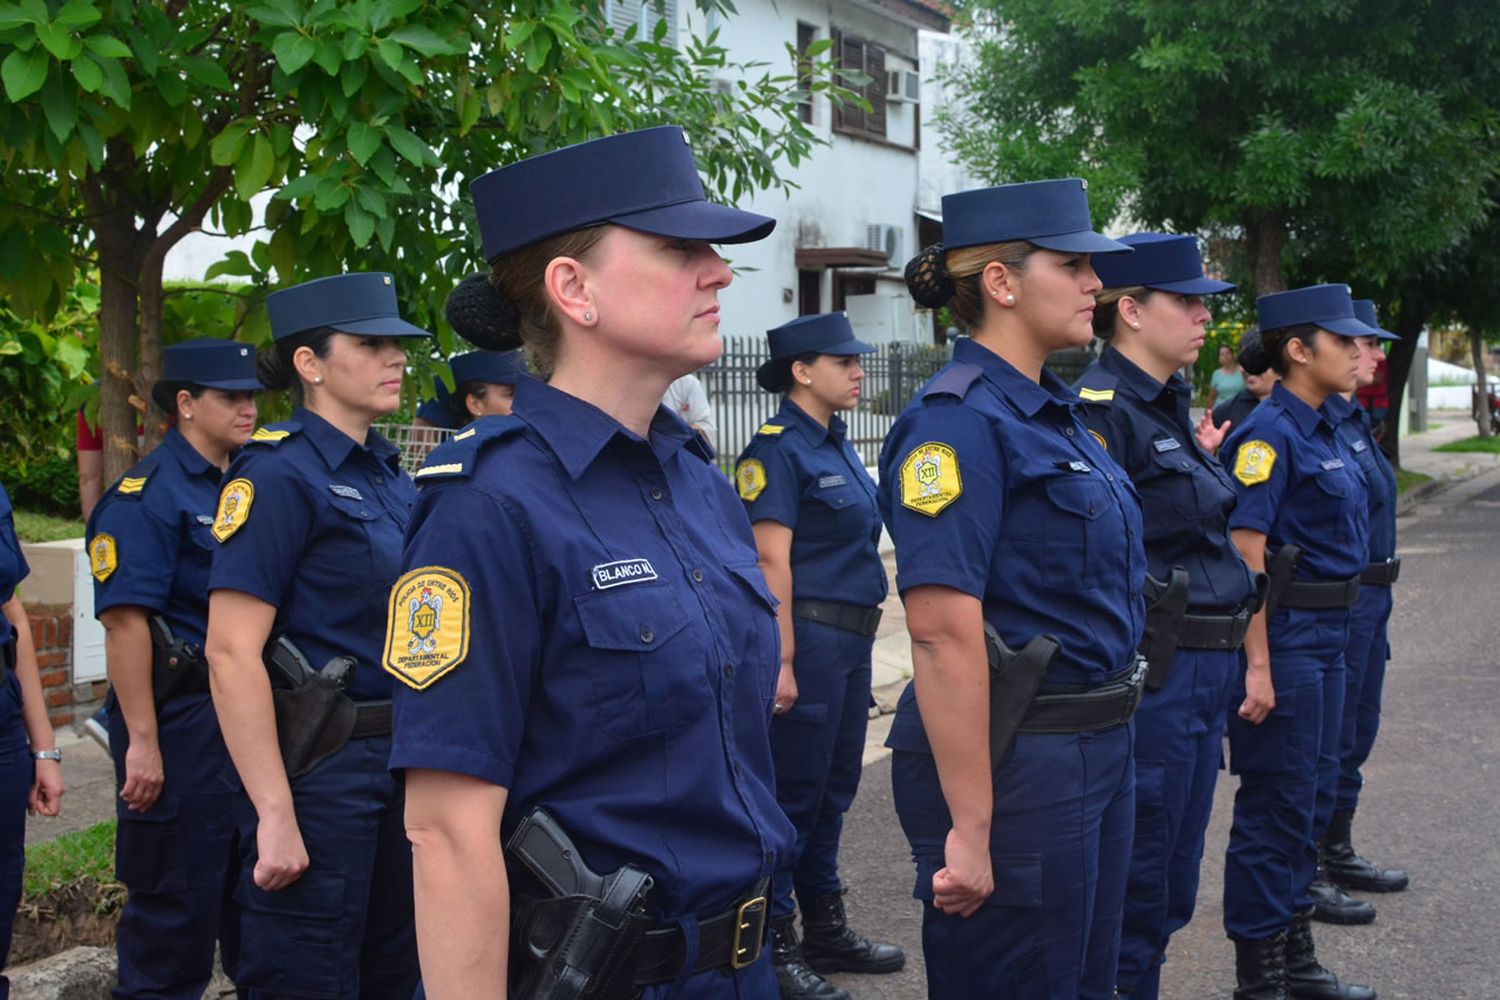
(68, 704)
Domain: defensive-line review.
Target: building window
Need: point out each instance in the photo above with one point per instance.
(644, 15)
(806, 35)
(809, 292)
(861, 56)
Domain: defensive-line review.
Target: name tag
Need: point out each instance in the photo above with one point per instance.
(1333, 463)
(617, 574)
(826, 481)
(348, 492)
(1075, 466)
(1358, 447)
(1166, 444)
(204, 519)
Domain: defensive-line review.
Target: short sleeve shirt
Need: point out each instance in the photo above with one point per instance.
(1297, 484)
(149, 540)
(607, 646)
(1186, 495)
(808, 478)
(311, 521)
(13, 568)
(1228, 384)
(1353, 428)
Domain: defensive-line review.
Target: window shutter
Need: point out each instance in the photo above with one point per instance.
(838, 55)
(852, 56)
(875, 91)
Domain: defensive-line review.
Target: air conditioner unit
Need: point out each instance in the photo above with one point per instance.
(903, 86)
(886, 239)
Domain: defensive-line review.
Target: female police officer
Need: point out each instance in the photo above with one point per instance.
(1008, 515)
(150, 551)
(812, 507)
(1299, 490)
(583, 626)
(1151, 315)
(484, 384)
(309, 524)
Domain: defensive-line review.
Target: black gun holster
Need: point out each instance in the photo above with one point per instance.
(1279, 570)
(178, 668)
(575, 938)
(1014, 679)
(1166, 606)
(314, 718)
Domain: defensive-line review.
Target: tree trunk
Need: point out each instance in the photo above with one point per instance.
(1409, 323)
(1481, 381)
(149, 369)
(119, 268)
(1265, 236)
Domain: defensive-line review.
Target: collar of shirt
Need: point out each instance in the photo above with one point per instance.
(816, 432)
(193, 463)
(1170, 395)
(1022, 393)
(1306, 418)
(1339, 410)
(334, 445)
(578, 431)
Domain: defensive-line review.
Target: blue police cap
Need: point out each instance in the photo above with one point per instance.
(821, 333)
(1325, 306)
(643, 180)
(208, 361)
(1053, 215)
(351, 303)
(494, 367)
(1364, 311)
(1159, 261)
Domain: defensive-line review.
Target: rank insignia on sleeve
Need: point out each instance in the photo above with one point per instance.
(427, 626)
(104, 556)
(930, 480)
(1253, 462)
(234, 508)
(750, 478)
(1100, 438)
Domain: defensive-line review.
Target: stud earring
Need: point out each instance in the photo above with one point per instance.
(1010, 300)
(1135, 326)
(588, 317)
(317, 380)
(188, 416)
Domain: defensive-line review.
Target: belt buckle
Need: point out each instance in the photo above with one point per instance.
(751, 916)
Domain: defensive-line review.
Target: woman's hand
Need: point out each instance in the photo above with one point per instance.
(967, 878)
(45, 798)
(282, 855)
(143, 774)
(1210, 437)
(1260, 695)
(786, 690)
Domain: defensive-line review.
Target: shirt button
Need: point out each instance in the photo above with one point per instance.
(728, 670)
(656, 493)
(363, 512)
(379, 481)
(1110, 476)
(647, 636)
(1068, 431)
(697, 576)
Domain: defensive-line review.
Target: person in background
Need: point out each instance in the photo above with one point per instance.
(484, 384)
(31, 779)
(687, 398)
(150, 549)
(1226, 382)
(89, 450)
(1233, 412)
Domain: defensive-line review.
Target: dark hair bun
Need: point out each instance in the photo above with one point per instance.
(273, 368)
(927, 277)
(1251, 356)
(481, 315)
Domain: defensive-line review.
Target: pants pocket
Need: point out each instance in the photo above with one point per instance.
(150, 848)
(294, 940)
(1279, 745)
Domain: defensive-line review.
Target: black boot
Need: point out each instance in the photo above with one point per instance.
(831, 946)
(793, 978)
(1260, 969)
(1306, 978)
(1347, 868)
(1334, 906)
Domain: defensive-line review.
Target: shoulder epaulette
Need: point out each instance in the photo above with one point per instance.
(954, 380)
(133, 483)
(771, 430)
(1096, 385)
(455, 458)
(274, 434)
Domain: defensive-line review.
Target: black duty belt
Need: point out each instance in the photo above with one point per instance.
(1381, 574)
(1213, 631)
(729, 940)
(371, 718)
(1319, 595)
(1111, 704)
(8, 652)
(850, 617)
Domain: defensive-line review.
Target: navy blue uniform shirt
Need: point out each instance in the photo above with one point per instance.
(1186, 495)
(1297, 483)
(1236, 410)
(311, 522)
(809, 478)
(149, 540)
(992, 485)
(1353, 428)
(584, 623)
(13, 568)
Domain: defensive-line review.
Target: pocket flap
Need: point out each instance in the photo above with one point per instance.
(751, 576)
(1079, 495)
(637, 618)
(1018, 880)
(359, 510)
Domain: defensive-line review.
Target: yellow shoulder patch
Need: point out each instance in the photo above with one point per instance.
(1096, 395)
(1253, 462)
(104, 556)
(234, 508)
(750, 478)
(427, 626)
(1100, 438)
(771, 429)
(930, 479)
(132, 484)
(266, 434)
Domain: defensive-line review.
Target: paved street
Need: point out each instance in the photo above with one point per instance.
(1431, 801)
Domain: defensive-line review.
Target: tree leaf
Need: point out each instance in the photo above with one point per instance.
(228, 144)
(115, 85)
(253, 172)
(76, 14)
(363, 140)
(293, 50)
(234, 264)
(23, 73)
(58, 40)
(273, 15)
(391, 53)
(361, 223)
(299, 188)
(353, 76)
(407, 144)
(424, 40)
(87, 73)
(205, 71)
(60, 105)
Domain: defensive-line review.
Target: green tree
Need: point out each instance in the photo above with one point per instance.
(132, 123)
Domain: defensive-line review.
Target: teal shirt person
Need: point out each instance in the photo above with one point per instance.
(1227, 385)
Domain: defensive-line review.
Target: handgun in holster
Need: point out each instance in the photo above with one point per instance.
(1014, 679)
(1279, 570)
(1166, 606)
(573, 931)
(177, 667)
(314, 718)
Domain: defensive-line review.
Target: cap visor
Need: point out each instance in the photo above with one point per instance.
(700, 220)
(1194, 286)
(233, 384)
(1084, 241)
(1384, 334)
(384, 326)
(1347, 327)
(846, 347)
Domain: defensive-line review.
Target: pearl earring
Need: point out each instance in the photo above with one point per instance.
(317, 380)
(1135, 326)
(188, 416)
(1010, 300)
(588, 317)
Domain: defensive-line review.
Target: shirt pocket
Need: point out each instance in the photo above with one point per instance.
(374, 534)
(757, 638)
(1075, 531)
(647, 675)
(1189, 489)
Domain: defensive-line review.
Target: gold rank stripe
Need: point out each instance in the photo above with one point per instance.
(771, 429)
(266, 434)
(438, 470)
(132, 484)
(465, 434)
(1097, 395)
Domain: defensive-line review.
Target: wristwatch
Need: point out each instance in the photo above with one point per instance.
(53, 754)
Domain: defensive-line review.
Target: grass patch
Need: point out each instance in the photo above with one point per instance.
(1406, 480)
(71, 858)
(1489, 445)
(34, 527)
